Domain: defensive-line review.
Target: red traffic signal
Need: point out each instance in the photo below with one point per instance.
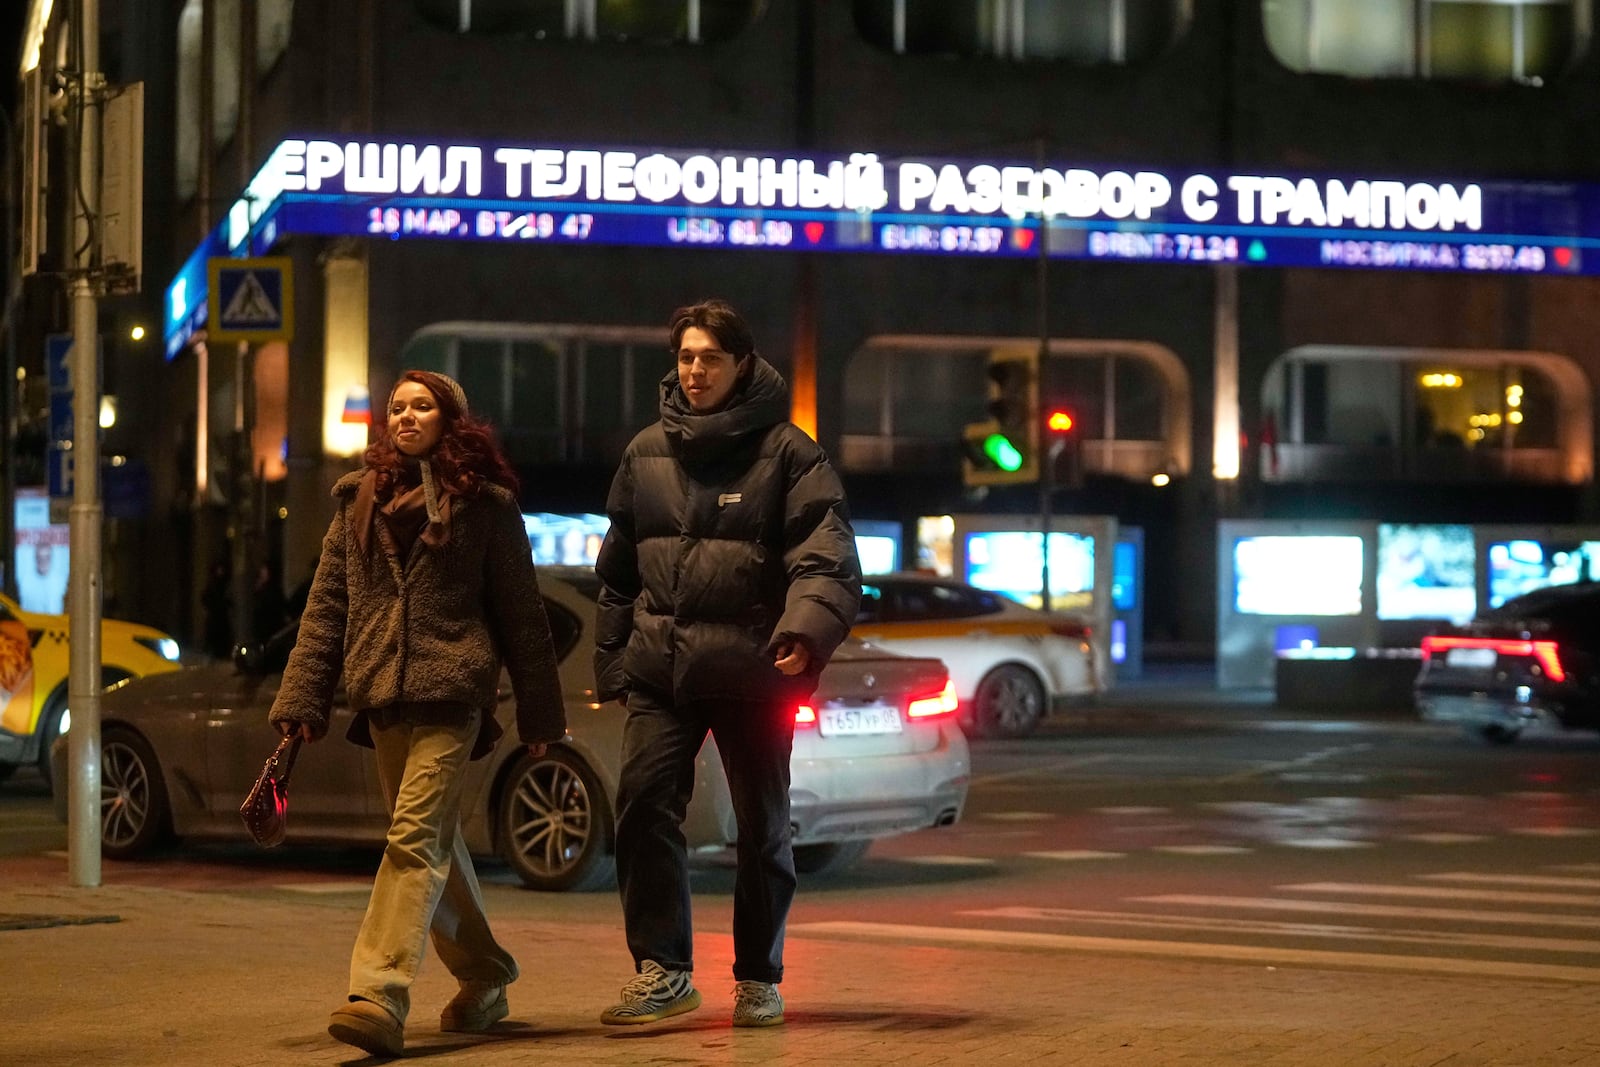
(1059, 421)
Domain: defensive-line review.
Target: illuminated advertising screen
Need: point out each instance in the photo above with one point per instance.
(1010, 562)
(1426, 572)
(1521, 566)
(567, 540)
(40, 555)
(877, 545)
(574, 540)
(861, 202)
(1125, 576)
(1288, 574)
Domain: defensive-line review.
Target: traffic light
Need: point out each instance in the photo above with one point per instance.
(1005, 449)
(1062, 453)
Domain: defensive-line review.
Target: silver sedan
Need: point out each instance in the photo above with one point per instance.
(877, 752)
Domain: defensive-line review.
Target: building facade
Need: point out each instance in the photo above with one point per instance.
(1203, 390)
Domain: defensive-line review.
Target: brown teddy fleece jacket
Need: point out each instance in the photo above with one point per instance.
(433, 627)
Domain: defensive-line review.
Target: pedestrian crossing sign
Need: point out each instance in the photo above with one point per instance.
(250, 299)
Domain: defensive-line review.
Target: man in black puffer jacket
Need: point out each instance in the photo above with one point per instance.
(729, 577)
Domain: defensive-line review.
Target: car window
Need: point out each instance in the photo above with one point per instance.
(871, 609)
(1543, 602)
(987, 603)
(564, 628)
(913, 601)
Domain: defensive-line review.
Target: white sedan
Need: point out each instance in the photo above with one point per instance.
(1008, 662)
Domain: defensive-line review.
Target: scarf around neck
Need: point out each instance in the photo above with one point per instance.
(422, 507)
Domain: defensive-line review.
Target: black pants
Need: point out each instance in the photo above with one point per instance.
(659, 745)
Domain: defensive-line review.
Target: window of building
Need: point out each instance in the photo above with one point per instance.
(1332, 412)
(907, 400)
(651, 21)
(273, 18)
(556, 394)
(1079, 31)
(1526, 41)
(273, 21)
(187, 128)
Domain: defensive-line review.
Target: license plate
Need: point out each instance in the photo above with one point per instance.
(864, 721)
(1476, 658)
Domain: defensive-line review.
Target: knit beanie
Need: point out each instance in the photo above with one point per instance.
(458, 394)
(430, 490)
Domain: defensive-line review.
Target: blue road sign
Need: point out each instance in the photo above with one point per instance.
(60, 471)
(57, 351)
(251, 299)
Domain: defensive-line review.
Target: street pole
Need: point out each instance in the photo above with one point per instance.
(241, 497)
(83, 588)
(8, 376)
(1047, 481)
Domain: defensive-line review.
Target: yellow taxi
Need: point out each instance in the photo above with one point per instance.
(1010, 663)
(33, 676)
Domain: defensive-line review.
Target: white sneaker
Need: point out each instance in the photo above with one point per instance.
(654, 993)
(757, 1004)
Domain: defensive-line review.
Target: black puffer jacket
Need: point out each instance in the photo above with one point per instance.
(729, 537)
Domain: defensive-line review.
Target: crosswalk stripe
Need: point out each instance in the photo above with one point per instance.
(1323, 842)
(949, 861)
(1443, 838)
(325, 887)
(1130, 809)
(1495, 895)
(1547, 881)
(1393, 911)
(1270, 926)
(1554, 831)
(1075, 854)
(1203, 850)
(1193, 950)
(1017, 816)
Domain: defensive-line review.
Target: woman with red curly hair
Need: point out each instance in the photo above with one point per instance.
(425, 587)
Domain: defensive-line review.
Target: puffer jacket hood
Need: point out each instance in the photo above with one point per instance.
(757, 403)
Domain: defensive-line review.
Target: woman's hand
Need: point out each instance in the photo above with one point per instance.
(306, 731)
(537, 749)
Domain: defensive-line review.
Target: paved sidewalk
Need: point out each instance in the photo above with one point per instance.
(238, 979)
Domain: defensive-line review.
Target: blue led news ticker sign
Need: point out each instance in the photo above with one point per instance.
(860, 202)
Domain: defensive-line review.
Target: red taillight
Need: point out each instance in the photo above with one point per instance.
(805, 715)
(941, 703)
(1546, 653)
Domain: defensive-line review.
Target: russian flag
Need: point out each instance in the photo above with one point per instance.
(357, 406)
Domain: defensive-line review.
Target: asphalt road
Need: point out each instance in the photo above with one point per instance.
(1367, 843)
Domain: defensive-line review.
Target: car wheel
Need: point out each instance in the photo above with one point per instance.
(555, 823)
(55, 717)
(50, 723)
(1009, 703)
(134, 811)
(1496, 734)
(830, 857)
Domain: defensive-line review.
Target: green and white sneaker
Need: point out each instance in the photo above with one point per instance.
(757, 1004)
(654, 993)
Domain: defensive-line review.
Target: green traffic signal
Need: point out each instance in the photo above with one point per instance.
(1004, 454)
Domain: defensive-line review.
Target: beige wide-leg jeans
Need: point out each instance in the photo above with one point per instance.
(425, 882)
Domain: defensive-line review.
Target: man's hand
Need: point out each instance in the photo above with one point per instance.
(792, 657)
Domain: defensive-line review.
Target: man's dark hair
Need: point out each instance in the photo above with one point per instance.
(717, 318)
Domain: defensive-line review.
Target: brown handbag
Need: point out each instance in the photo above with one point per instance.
(266, 810)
